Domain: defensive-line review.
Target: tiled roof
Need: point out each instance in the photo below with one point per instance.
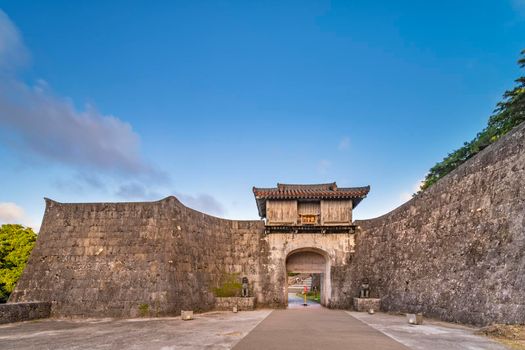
(314, 191)
(317, 191)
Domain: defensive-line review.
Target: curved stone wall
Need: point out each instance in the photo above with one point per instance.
(457, 251)
(127, 259)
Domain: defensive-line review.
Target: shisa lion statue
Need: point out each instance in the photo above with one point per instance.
(365, 289)
(244, 291)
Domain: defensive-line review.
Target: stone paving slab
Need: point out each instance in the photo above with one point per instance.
(318, 328)
(431, 335)
(213, 330)
(301, 328)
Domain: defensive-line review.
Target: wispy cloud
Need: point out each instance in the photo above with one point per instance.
(323, 166)
(518, 4)
(406, 196)
(41, 124)
(202, 202)
(344, 144)
(101, 149)
(80, 183)
(13, 53)
(136, 191)
(10, 212)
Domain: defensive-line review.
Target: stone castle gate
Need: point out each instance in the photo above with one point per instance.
(454, 252)
(311, 260)
(309, 229)
(310, 253)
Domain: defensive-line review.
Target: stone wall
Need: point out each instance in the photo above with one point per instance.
(457, 251)
(116, 259)
(367, 304)
(242, 304)
(123, 259)
(17, 312)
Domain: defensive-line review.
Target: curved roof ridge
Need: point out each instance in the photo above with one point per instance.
(328, 191)
(329, 185)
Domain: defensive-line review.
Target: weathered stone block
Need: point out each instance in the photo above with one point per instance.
(365, 304)
(242, 304)
(186, 315)
(416, 319)
(17, 312)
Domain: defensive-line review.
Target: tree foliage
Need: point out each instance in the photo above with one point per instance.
(16, 243)
(508, 113)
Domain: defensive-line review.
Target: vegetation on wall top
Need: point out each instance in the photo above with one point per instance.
(508, 113)
(16, 243)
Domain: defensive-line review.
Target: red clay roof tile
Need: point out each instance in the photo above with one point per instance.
(317, 191)
(314, 191)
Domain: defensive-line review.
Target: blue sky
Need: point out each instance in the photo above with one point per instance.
(138, 100)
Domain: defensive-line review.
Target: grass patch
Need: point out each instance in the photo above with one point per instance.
(229, 286)
(143, 310)
(510, 335)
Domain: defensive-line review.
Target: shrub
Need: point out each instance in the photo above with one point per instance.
(229, 286)
(16, 243)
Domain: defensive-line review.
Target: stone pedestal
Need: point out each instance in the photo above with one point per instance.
(365, 304)
(186, 315)
(415, 318)
(18, 312)
(242, 304)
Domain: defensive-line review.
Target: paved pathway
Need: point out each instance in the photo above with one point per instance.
(317, 328)
(431, 334)
(296, 302)
(212, 330)
(304, 328)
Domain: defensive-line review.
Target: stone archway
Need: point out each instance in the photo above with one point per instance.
(311, 260)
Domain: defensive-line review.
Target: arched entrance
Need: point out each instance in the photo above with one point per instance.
(310, 261)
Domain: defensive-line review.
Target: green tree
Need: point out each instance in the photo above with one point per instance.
(16, 243)
(508, 113)
(511, 111)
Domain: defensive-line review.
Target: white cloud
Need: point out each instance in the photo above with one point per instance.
(13, 54)
(43, 127)
(518, 4)
(519, 7)
(10, 213)
(37, 122)
(323, 166)
(203, 202)
(136, 191)
(406, 196)
(80, 183)
(344, 144)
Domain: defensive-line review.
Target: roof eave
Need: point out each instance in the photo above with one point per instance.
(261, 206)
(356, 201)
